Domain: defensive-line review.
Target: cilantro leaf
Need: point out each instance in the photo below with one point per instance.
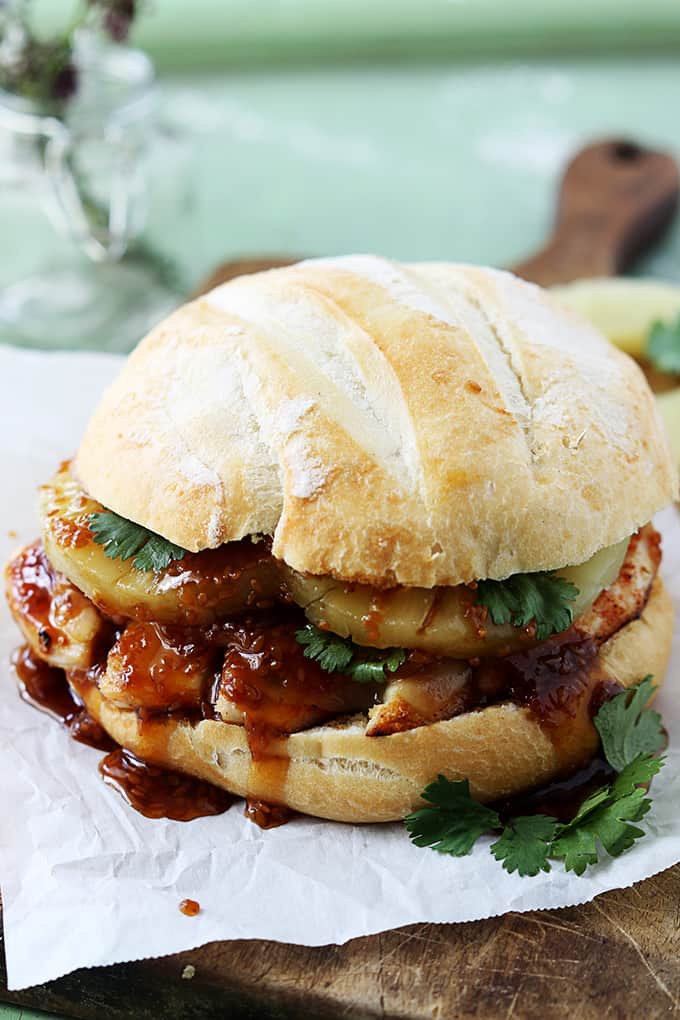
(543, 598)
(157, 554)
(638, 774)
(628, 729)
(604, 817)
(336, 654)
(608, 824)
(524, 845)
(453, 820)
(591, 803)
(373, 670)
(332, 652)
(663, 346)
(123, 540)
(631, 736)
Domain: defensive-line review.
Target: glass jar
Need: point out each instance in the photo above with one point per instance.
(75, 191)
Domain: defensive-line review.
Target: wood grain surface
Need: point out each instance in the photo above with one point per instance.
(617, 957)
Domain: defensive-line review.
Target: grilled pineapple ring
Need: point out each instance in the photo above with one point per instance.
(197, 589)
(442, 621)
(217, 583)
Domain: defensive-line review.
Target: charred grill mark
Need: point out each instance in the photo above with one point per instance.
(625, 599)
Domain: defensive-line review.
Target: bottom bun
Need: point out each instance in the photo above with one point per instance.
(335, 771)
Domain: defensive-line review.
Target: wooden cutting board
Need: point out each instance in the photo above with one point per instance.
(618, 956)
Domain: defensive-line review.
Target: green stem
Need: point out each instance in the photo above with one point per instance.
(79, 18)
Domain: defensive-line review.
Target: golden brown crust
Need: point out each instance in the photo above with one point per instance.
(423, 425)
(338, 772)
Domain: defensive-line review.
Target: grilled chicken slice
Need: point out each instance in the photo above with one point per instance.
(59, 623)
(627, 596)
(440, 693)
(268, 685)
(152, 668)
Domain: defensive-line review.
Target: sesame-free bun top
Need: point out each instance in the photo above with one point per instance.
(424, 424)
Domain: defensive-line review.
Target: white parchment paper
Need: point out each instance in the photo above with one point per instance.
(87, 881)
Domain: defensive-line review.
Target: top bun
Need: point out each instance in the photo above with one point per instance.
(392, 424)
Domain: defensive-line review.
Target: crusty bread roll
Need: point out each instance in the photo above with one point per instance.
(419, 425)
(423, 426)
(336, 771)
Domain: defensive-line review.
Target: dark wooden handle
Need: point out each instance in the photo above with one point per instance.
(615, 200)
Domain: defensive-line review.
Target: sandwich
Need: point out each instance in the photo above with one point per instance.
(339, 528)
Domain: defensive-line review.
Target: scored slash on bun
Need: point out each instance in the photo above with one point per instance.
(336, 771)
(420, 425)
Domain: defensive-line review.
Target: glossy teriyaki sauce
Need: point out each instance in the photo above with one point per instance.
(266, 678)
(555, 679)
(252, 671)
(190, 908)
(160, 793)
(265, 814)
(154, 792)
(46, 688)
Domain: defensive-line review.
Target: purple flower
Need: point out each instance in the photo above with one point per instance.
(64, 83)
(118, 18)
(43, 70)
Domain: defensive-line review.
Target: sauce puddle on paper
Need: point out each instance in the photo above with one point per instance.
(153, 791)
(160, 793)
(46, 688)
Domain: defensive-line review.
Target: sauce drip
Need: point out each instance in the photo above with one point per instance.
(218, 582)
(278, 692)
(159, 793)
(47, 689)
(562, 798)
(190, 907)
(266, 815)
(554, 678)
(33, 579)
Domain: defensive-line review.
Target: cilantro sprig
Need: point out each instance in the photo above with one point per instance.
(123, 540)
(605, 817)
(542, 597)
(340, 655)
(525, 843)
(663, 346)
(452, 820)
(628, 729)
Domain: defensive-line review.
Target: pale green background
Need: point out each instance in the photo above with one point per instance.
(191, 33)
(421, 158)
(447, 161)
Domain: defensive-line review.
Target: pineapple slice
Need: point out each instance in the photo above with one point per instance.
(198, 589)
(442, 621)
